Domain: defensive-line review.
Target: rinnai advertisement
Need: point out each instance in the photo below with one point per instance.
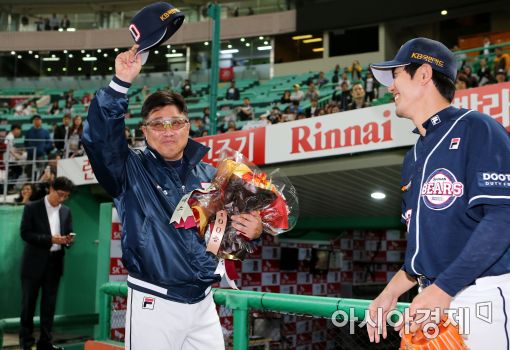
(355, 131)
(362, 130)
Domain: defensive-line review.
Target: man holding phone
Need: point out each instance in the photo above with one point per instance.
(46, 228)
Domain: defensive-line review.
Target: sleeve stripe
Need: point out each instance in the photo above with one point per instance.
(486, 196)
(118, 88)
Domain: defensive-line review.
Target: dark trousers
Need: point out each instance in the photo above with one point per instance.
(48, 285)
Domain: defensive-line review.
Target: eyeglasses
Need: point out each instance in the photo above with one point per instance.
(172, 123)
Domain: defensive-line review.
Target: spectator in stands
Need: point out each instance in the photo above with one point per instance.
(29, 108)
(232, 92)
(144, 93)
(54, 108)
(313, 110)
(460, 57)
(312, 92)
(286, 97)
(471, 78)
(335, 109)
(231, 127)
(68, 109)
(300, 116)
(358, 98)
(501, 76)
(65, 23)
(61, 135)
(355, 70)
(345, 79)
(186, 89)
(204, 133)
(321, 80)
(69, 97)
(54, 22)
(198, 126)
(461, 82)
(484, 74)
(245, 112)
(293, 109)
(371, 86)
(205, 117)
(39, 22)
(297, 94)
(20, 107)
(129, 137)
(139, 137)
(13, 155)
(25, 194)
(42, 187)
(486, 43)
(85, 100)
(74, 144)
(37, 138)
(344, 98)
(336, 74)
(501, 61)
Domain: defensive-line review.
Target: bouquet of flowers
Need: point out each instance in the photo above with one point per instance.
(238, 187)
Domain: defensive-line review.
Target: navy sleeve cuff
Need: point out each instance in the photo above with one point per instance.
(450, 290)
(118, 88)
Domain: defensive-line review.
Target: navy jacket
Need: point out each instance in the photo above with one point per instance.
(146, 191)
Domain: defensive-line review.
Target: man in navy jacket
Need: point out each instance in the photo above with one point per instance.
(170, 271)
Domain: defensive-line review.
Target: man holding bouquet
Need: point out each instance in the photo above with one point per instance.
(170, 272)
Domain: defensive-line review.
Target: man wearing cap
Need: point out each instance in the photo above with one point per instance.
(170, 273)
(297, 94)
(456, 203)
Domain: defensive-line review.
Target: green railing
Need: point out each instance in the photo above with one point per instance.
(83, 320)
(241, 302)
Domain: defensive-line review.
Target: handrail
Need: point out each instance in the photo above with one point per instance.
(12, 324)
(481, 48)
(242, 301)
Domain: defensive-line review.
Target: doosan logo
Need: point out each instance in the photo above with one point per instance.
(493, 179)
(496, 177)
(441, 189)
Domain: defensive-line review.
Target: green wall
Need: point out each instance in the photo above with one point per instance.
(11, 247)
(78, 285)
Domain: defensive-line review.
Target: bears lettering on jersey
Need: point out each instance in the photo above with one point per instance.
(441, 189)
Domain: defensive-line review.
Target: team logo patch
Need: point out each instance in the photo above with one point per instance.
(435, 120)
(493, 179)
(148, 303)
(441, 189)
(454, 143)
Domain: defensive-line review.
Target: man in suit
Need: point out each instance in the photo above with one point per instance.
(45, 228)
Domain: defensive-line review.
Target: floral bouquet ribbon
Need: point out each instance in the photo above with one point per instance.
(238, 187)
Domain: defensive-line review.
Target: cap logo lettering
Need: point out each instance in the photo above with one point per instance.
(427, 58)
(135, 32)
(168, 13)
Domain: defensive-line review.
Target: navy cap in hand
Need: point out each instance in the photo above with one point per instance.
(418, 50)
(153, 25)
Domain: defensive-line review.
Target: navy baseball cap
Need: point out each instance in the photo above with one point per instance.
(418, 50)
(153, 25)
